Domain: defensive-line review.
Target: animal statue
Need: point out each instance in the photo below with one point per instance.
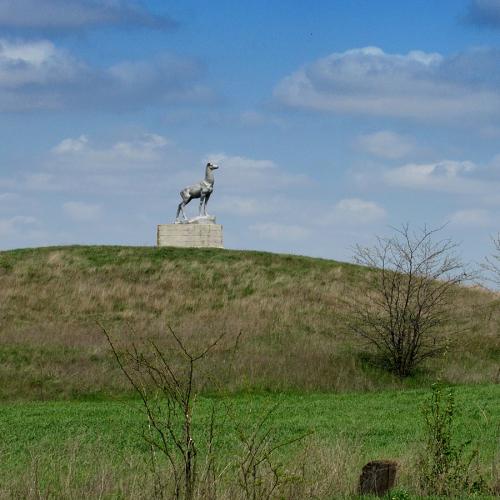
(201, 190)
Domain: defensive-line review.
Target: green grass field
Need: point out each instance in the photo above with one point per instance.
(70, 426)
(386, 425)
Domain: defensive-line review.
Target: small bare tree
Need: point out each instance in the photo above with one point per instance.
(413, 278)
(167, 389)
(168, 395)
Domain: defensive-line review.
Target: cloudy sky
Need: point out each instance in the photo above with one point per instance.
(331, 120)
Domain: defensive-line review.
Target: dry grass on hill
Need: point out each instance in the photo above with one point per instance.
(289, 309)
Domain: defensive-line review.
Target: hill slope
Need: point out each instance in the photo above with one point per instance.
(289, 309)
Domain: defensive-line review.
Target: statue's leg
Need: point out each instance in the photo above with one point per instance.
(202, 199)
(207, 197)
(182, 205)
(185, 199)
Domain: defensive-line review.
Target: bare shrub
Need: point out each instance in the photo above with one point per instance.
(168, 396)
(168, 392)
(414, 278)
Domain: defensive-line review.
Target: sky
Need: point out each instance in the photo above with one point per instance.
(331, 121)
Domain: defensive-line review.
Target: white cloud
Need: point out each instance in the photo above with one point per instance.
(142, 164)
(165, 79)
(247, 206)
(484, 13)
(280, 232)
(386, 144)
(8, 197)
(71, 145)
(240, 162)
(38, 75)
(41, 181)
(13, 225)
(147, 148)
(446, 175)
(78, 153)
(243, 176)
(414, 85)
(82, 212)
(355, 211)
(35, 63)
(76, 14)
(472, 218)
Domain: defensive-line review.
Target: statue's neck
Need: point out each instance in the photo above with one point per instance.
(209, 176)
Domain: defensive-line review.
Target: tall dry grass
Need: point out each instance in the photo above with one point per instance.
(316, 470)
(290, 310)
(82, 471)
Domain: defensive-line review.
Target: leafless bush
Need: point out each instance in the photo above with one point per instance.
(168, 393)
(414, 279)
(168, 396)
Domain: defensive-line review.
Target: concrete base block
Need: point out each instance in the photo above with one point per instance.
(190, 235)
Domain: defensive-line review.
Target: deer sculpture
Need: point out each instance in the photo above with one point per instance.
(201, 190)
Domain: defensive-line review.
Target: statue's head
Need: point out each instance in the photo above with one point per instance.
(212, 166)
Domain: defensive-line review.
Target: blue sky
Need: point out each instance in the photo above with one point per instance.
(331, 121)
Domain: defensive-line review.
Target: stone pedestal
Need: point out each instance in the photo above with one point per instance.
(192, 234)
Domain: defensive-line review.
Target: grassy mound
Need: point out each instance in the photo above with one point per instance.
(291, 311)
